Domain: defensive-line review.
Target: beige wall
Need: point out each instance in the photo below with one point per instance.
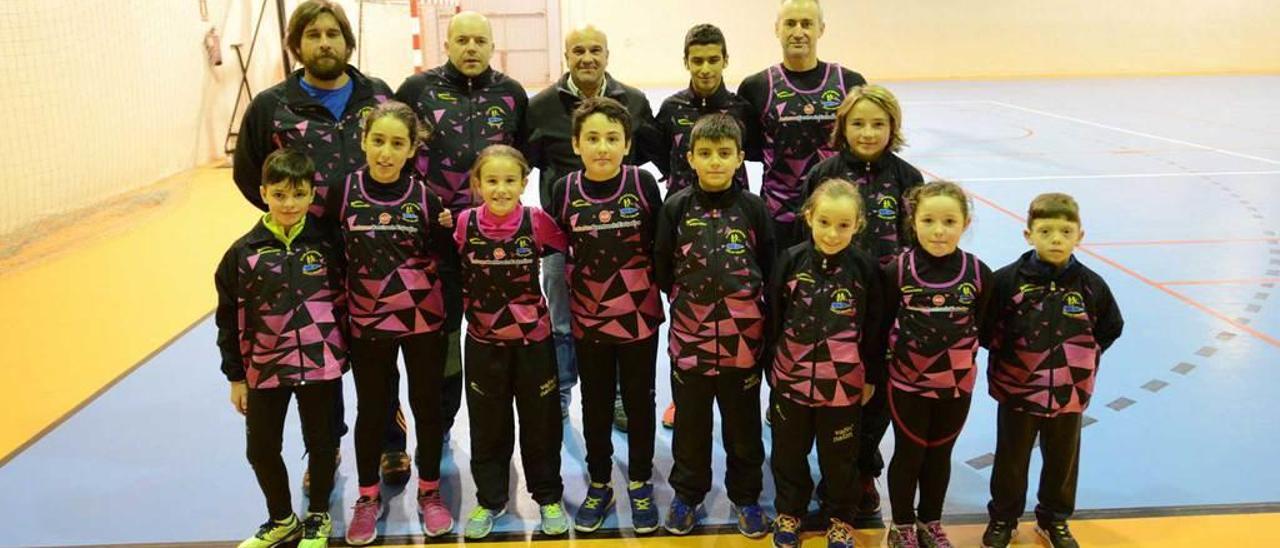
(104, 97)
(937, 39)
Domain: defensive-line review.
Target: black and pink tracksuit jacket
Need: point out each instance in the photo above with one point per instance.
(281, 313)
(1046, 335)
(937, 306)
(391, 245)
(286, 116)
(614, 292)
(883, 184)
(713, 251)
(500, 287)
(825, 326)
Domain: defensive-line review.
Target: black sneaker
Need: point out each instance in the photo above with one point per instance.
(1058, 535)
(999, 533)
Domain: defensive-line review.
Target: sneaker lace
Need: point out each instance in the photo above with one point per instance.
(644, 503)
(430, 499)
(1060, 529)
(907, 537)
(752, 513)
(480, 513)
(786, 523)
(553, 510)
(840, 532)
(265, 529)
(311, 527)
(934, 529)
(592, 502)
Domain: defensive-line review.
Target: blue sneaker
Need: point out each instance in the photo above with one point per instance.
(840, 535)
(595, 508)
(644, 515)
(752, 521)
(681, 517)
(786, 531)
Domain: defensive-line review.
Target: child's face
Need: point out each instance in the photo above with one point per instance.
(939, 223)
(602, 144)
(287, 201)
(834, 222)
(387, 147)
(500, 185)
(1054, 239)
(867, 130)
(715, 161)
(706, 64)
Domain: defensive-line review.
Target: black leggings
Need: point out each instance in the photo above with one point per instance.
(795, 428)
(925, 432)
(496, 375)
(374, 362)
(264, 432)
(602, 368)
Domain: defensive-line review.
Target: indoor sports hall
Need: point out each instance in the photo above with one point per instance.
(1160, 118)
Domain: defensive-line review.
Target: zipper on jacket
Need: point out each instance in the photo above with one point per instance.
(296, 288)
(715, 235)
(816, 311)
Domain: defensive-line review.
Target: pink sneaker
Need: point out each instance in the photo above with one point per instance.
(436, 519)
(363, 527)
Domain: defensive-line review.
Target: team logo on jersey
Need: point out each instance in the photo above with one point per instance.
(629, 206)
(831, 99)
(524, 246)
(1073, 304)
(410, 212)
(605, 215)
(808, 109)
(968, 293)
(384, 218)
(888, 209)
(499, 253)
(358, 204)
(842, 302)
(784, 94)
(683, 121)
(580, 203)
(446, 97)
(495, 116)
(312, 263)
(737, 242)
(939, 299)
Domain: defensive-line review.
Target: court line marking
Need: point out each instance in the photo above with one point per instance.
(1139, 243)
(1240, 281)
(1117, 176)
(1135, 133)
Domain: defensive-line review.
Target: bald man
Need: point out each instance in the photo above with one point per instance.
(793, 107)
(586, 54)
(469, 106)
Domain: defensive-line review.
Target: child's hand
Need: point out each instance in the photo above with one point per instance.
(240, 397)
(445, 219)
(868, 390)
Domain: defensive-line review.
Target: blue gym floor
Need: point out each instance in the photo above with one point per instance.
(1179, 183)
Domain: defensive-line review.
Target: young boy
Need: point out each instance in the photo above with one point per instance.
(705, 57)
(1052, 318)
(714, 246)
(282, 333)
(609, 212)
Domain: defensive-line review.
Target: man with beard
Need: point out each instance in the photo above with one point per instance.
(469, 106)
(317, 110)
(549, 148)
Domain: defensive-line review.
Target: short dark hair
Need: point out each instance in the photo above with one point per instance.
(610, 108)
(1053, 205)
(287, 164)
(307, 12)
(716, 127)
(705, 34)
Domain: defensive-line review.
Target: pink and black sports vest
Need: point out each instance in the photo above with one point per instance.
(935, 336)
(796, 125)
(500, 290)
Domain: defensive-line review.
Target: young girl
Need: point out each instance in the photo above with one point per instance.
(824, 341)
(281, 332)
(938, 295)
(609, 213)
(868, 132)
(389, 226)
(508, 352)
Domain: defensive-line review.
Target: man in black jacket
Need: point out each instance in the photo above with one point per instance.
(468, 106)
(549, 148)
